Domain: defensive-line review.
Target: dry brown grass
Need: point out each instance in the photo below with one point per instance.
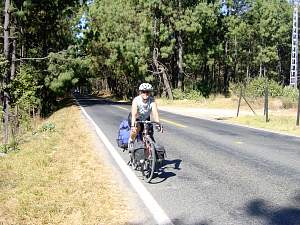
(57, 178)
(220, 102)
(211, 102)
(278, 122)
(281, 119)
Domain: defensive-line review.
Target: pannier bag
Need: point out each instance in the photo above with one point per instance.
(123, 134)
(160, 151)
(138, 150)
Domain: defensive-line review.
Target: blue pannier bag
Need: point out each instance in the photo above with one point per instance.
(123, 134)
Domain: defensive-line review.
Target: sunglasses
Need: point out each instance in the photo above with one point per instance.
(146, 92)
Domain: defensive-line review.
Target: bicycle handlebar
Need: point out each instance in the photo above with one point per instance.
(151, 122)
(147, 122)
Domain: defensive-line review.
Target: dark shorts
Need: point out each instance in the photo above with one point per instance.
(151, 131)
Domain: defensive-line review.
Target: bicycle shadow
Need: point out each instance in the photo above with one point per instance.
(162, 172)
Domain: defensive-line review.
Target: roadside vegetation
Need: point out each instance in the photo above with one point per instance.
(194, 53)
(188, 50)
(283, 102)
(56, 177)
(281, 119)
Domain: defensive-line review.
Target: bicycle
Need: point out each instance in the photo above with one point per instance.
(147, 163)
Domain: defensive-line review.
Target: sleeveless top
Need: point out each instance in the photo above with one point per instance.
(144, 109)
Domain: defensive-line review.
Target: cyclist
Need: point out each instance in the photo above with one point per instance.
(143, 106)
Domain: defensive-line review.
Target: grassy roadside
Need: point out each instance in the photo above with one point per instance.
(279, 123)
(211, 102)
(281, 120)
(57, 178)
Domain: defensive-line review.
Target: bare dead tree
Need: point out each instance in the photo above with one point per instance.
(162, 70)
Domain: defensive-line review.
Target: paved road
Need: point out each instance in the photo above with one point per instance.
(217, 173)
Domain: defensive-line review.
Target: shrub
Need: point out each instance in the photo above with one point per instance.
(290, 92)
(289, 97)
(48, 127)
(178, 94)
(193, 95)
(187, 94)
(275, 90)
(255, 88)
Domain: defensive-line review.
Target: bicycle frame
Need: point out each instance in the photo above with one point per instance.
(149, 163)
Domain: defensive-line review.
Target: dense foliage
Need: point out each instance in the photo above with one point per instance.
(185, 48)
(202, 45)
(43, 62)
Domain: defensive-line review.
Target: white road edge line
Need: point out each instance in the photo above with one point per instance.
(158, 213)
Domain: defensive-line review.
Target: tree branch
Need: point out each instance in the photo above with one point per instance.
(21, 59)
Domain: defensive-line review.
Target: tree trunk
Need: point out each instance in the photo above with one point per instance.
(248, 66)
(279, 66)
(159, 68)
(234, 77)
(180, 52)
(180, 62)
(13, 54)
(226, 77)
(17, 124)
(7, 73)
(260, 70)
(13, 60)
(167, 84)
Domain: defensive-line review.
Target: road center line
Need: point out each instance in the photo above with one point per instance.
(173, 123)
(158, 213)
(164, 120)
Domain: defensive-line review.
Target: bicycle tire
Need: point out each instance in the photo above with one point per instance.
(149, 164)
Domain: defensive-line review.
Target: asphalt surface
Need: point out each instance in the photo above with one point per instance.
(217, 173)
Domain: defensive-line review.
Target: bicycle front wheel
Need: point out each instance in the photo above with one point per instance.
(149, 163)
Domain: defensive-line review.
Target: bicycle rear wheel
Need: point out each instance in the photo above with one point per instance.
(149, 163)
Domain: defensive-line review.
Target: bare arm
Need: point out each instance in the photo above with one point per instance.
(133, 113)
(155, 116)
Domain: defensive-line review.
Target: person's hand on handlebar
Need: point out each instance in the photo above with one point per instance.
(159, 127)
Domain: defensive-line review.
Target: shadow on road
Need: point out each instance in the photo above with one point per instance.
(92, 100)
(162, 173)
(176, 163)
(273, 214)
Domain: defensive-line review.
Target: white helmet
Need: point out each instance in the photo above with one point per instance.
(145, 87)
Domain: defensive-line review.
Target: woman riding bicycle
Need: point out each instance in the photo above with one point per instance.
(143, 106)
